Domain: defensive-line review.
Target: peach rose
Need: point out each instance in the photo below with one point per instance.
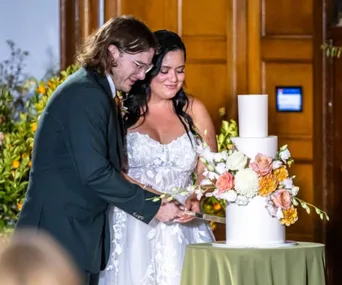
(225, 182)
(262, 164)
(282, 198)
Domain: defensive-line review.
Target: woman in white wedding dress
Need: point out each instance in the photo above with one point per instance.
(162, 124)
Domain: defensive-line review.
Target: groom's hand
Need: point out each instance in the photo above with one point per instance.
(169, 211)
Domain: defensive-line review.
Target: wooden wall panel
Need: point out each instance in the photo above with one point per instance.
(157, 14)
(302, 229)
(88, 13)
(288, 49)
(204, 18)
(287, 74)
(112, 8)
(287, 17)
(199, 82)
(284, 57)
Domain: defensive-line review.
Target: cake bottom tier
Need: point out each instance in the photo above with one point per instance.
(252, 225)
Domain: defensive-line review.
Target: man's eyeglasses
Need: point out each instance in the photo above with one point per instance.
(142, 67)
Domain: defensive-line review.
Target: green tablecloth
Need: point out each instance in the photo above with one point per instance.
(303, 264)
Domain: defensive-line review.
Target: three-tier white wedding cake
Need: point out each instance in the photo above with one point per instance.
(251, 225)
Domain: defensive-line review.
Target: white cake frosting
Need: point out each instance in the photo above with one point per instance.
(252, 225)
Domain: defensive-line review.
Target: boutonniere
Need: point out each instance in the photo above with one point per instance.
(119, 100)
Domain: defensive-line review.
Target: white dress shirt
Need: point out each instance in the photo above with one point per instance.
(111, 85)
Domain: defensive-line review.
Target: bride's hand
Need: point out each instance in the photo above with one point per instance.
(191, 204)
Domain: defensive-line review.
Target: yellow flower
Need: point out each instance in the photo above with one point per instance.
(15, 164)
(34, 127)
(29, 163)
(290, 216)
(41, 89)
(281, 174)
(267, 184)
(52, 84)
(24, 155)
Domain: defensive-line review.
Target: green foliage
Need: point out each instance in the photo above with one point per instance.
(331, 51)
(17, 145)
(12, 87)
(6, 112)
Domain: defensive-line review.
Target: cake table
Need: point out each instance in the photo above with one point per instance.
(303, 264)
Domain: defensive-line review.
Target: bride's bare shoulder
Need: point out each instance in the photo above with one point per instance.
(196, 108)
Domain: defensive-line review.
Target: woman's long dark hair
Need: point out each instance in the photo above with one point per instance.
(138, 97)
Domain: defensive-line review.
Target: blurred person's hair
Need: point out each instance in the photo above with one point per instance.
(32, 259)
(127, 33)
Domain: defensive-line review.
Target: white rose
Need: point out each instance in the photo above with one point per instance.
(285, 155)
(229, 196)
(236, 161)
(295, 190)
(276, 164)
(241, 200)
(246, 182)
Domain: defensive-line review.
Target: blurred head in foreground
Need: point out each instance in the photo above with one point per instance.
(31, 259)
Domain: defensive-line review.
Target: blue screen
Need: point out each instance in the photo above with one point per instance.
(289, 99)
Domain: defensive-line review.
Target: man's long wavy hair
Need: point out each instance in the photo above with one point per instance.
(127, 33)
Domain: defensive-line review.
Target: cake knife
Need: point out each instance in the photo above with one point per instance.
(206, 217)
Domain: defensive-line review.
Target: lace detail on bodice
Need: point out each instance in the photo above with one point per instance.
(162, 166)
(160, 247)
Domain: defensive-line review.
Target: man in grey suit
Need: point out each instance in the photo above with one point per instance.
(78, 149)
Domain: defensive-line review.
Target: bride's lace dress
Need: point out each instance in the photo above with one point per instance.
(153, 254)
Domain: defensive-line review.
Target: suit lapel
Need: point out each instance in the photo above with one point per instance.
(118, 122)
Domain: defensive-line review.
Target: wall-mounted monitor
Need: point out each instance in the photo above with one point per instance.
(289, 98)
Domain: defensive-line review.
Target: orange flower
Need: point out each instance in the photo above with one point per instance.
(29, 163)
(15, 164)
(281, 174)
(217, 206)
(41, 89)
(290, 216)
(20, 206)
(34, 127)
(267, 184)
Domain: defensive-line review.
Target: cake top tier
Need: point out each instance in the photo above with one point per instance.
(253, 115)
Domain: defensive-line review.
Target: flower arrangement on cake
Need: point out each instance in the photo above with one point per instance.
(232, 177)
